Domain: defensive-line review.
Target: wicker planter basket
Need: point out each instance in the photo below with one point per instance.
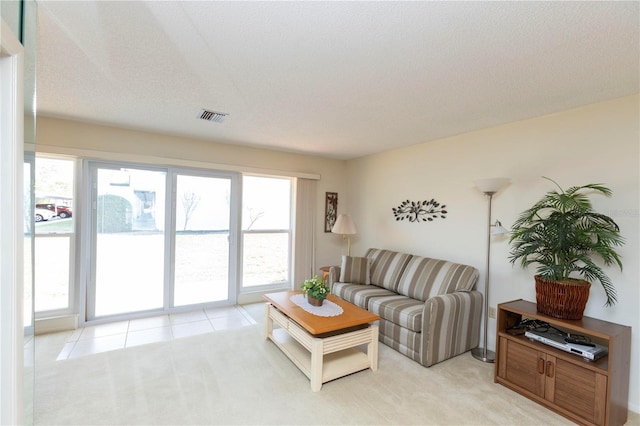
(313, 301)
(562, 299)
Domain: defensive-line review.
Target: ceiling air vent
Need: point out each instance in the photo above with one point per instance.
(218, 117)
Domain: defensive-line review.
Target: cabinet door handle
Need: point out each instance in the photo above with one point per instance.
(550, 371)
(540, 366)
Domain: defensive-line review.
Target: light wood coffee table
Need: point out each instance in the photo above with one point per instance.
(323, 348)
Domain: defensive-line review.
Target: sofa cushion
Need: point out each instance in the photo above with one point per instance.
(358, 294)
(387, 267)
(355, 270)
(424, 278)
(401, 310)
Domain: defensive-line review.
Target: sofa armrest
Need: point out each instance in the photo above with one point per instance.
(450, 326)
(334, 276)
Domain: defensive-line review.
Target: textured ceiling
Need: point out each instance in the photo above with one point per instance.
(338, 79)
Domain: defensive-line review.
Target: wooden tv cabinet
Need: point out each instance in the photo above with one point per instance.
(586, 392)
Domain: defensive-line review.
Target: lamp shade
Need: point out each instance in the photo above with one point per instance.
(491, 185)
(498, 229)
(344, 225)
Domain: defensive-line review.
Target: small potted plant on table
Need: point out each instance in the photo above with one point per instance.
(316, 290)
(562, 234)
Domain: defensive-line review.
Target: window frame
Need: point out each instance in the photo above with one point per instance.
(288, 283)
(73, 237)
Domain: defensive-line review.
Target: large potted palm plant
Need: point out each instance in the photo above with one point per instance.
(563, 235)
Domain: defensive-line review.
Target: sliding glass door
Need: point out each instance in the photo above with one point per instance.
(202, 233)
(160, 239)
(129, 233)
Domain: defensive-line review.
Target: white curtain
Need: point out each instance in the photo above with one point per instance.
(304, 254)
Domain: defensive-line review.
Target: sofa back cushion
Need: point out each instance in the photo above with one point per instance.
(355, 270)
(387, 267)
(424, 278)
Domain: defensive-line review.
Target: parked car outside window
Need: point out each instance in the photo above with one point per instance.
(59, 210)
(43, 214)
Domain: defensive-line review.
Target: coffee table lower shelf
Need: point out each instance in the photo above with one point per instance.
(323, 359)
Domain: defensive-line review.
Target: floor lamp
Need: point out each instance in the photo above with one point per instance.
(489, 187)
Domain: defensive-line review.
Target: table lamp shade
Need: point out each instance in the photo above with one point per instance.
(344, 225)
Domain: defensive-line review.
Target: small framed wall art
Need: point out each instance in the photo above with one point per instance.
(330, 210)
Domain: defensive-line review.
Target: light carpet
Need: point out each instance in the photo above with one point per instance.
(238, 377)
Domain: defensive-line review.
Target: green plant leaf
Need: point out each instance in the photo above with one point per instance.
(562, 235)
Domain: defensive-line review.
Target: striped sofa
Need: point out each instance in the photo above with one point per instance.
(428, 308)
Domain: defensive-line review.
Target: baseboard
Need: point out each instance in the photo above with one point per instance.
(54, 324)
(247, 298)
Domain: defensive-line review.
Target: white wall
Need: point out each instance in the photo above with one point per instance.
(594, 144)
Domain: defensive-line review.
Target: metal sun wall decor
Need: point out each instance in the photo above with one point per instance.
(420, 211)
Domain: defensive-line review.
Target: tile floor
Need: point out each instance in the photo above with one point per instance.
(123, 334)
